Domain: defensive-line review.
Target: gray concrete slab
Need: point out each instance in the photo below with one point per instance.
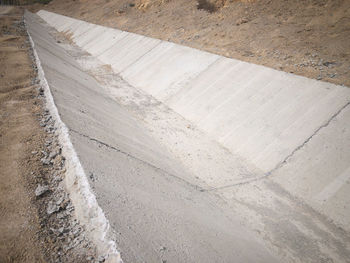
(154, 204)
(327, 184)
(269, 147)
(258, 113)
(279, 217)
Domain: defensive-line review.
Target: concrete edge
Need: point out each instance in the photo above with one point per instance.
(87, 210)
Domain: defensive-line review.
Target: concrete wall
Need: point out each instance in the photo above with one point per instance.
(259, 113)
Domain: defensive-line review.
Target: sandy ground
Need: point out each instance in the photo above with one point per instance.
(35, 226)
(309, 38)
(19, 134)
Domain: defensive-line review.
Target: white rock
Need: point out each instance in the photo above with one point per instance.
(41, 189)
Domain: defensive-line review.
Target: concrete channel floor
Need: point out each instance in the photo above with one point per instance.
(157, 213)
(152, 170)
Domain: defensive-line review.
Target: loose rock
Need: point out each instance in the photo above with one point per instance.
(41, 189)
(52, 208)
(45, 161)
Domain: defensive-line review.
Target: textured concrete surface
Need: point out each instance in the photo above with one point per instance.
(320, 172)
(157, 210)
(259, 113)
(268, 149)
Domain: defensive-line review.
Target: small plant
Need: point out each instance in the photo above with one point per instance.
(206, 5)
(44, 2)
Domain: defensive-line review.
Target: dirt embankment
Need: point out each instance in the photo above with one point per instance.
(18, 134)
(308, 37)
(36, 216)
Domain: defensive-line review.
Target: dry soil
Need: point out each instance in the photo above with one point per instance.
(19, 135)
(30, 232)
(307, 37)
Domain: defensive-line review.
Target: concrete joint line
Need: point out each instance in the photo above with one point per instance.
(138, 159)
(138, 59)
(212, 84)
(197, 75)
(100, 54)
(284, 161)
(243, 182)
(68, 31)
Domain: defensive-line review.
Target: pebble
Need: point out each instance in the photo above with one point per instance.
(45, 161)
(101, 259)
(41, 189)
(60, 201)
(242, 21)
(92, 177)
(47, 118)
(61, 215)
(52, 208)
(52, 155)
(329, 64)
(60, 230)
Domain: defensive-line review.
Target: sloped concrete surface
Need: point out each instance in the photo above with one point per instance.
(264, 149)
(256, 112)
(326, 186)
(151, 201)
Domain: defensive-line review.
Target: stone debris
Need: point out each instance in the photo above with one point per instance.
(162, 248)
(62, 215)
(59, 228)
(92, 176)
(41, 189)
(52, 208)
(45, 161)
(101, 259)
(52, 155)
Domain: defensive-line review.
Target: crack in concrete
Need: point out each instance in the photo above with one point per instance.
(239, 183)
(196, 187)
(284, 161)
(243, 182)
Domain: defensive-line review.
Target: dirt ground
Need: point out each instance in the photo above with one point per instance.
(29, 231)
(307, 37)
(20, 134)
